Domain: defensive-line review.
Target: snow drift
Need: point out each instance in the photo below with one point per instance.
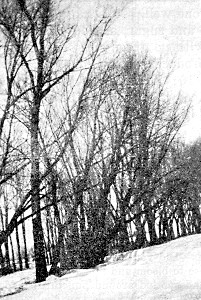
(168, 271)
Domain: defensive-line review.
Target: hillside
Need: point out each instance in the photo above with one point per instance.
(168, 271)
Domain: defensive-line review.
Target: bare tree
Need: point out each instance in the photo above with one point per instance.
(140, 126)
(38, 41)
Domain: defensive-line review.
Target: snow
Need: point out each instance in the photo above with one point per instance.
(168, 271)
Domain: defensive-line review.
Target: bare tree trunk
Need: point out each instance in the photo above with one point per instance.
(18, 249)
(50, 234)
(82, 217)
(49, 249)
(56, 255)
(150, 217)
(165, 232)
(7, 256)
(60, 227)
(25, 246)
(39, 250)
(181, 215)
(196, 219)
(46, 253)
(140, 240)
(124, 243)
(13, 255)
(171, 230)
(2, 262)
(177, 226)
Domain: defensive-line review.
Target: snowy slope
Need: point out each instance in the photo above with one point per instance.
(169, 271)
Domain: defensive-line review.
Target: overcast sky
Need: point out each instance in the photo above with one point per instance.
(171, 30)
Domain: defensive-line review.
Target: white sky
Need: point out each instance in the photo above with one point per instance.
(168, 29)
(171, 30)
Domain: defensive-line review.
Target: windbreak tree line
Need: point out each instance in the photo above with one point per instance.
(88, 145)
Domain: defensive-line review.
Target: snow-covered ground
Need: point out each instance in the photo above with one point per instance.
(168, 271)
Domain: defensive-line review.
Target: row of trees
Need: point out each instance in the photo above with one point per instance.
(88, 145)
